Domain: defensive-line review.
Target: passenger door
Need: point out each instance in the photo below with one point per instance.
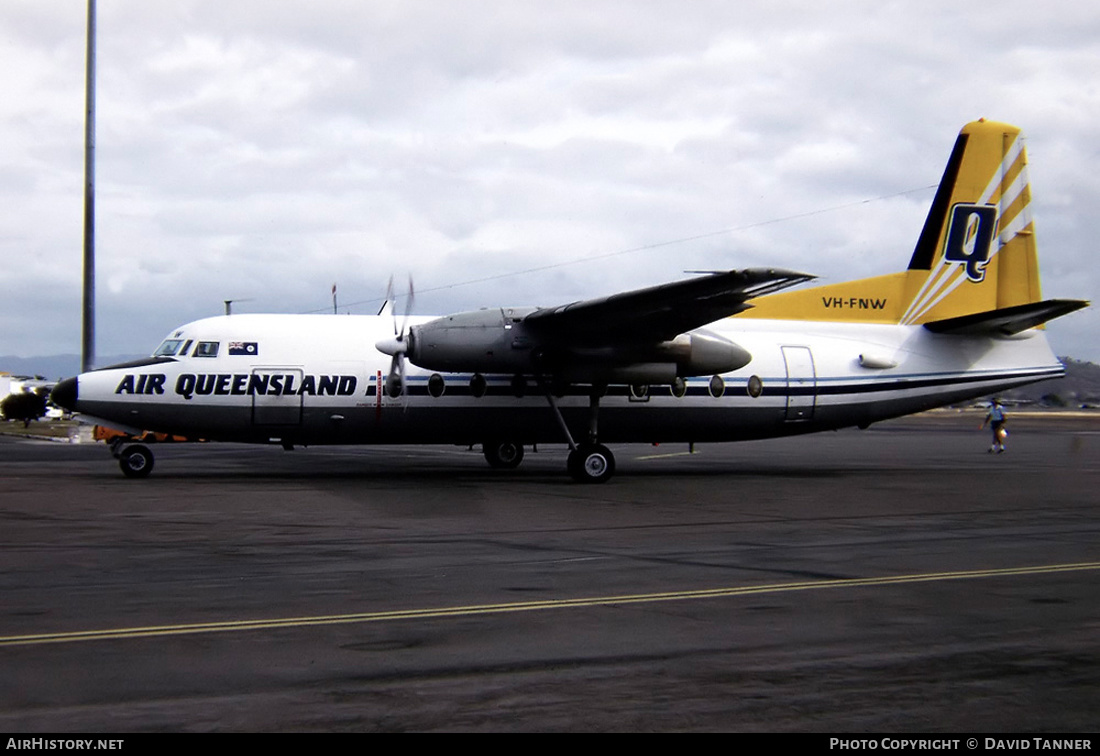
(801, 383)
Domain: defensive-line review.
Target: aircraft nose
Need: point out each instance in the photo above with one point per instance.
(64, 394)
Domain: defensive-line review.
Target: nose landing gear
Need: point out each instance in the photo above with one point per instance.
(136, 461)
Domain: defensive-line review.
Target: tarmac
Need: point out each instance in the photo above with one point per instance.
(894, 580)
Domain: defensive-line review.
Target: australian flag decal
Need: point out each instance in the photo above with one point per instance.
(244, 348)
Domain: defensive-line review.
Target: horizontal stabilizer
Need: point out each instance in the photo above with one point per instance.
(1007, 320)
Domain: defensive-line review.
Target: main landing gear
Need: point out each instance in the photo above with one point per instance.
(503, 455)
(590, 461)
(587, 463)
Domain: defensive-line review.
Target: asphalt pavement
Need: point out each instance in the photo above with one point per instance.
(898, 579)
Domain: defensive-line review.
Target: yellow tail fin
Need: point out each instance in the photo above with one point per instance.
(975, 254)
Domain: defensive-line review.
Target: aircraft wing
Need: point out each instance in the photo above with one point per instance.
(660, 312)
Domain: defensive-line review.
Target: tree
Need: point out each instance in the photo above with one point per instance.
(25, 406)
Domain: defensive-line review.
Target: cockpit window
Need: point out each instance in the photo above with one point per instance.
(207, 349)
(168, 348)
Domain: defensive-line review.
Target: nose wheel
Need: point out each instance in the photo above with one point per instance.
(136, 461)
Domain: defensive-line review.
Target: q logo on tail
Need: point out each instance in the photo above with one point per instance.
(970, 237)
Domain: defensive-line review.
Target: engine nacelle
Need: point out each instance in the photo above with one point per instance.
(498, 341)
(687, 355)
(482, 341)
(640, 373)
(706, 354)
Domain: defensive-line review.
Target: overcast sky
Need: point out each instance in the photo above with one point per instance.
(511, 153)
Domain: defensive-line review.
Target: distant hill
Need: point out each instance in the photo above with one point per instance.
(57, 366)
(1081, 386)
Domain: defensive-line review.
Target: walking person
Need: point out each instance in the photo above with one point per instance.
(996, 420)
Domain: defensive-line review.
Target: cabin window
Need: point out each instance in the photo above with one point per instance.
(207, 349)
(168, 348)
(478, 385)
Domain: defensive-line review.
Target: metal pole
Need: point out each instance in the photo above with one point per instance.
(87, 359)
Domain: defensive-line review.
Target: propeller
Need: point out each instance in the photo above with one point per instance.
(399, 344)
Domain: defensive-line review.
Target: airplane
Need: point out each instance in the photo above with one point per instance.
(722, 356)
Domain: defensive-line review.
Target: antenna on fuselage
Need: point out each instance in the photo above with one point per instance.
(229, 304)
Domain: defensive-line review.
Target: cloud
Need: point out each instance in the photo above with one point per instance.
(261, 150)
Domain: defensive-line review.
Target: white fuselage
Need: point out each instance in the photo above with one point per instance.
(319, 379)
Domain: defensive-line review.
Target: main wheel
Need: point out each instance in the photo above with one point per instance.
(503, 455)
(591, 463)
(136, 461)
